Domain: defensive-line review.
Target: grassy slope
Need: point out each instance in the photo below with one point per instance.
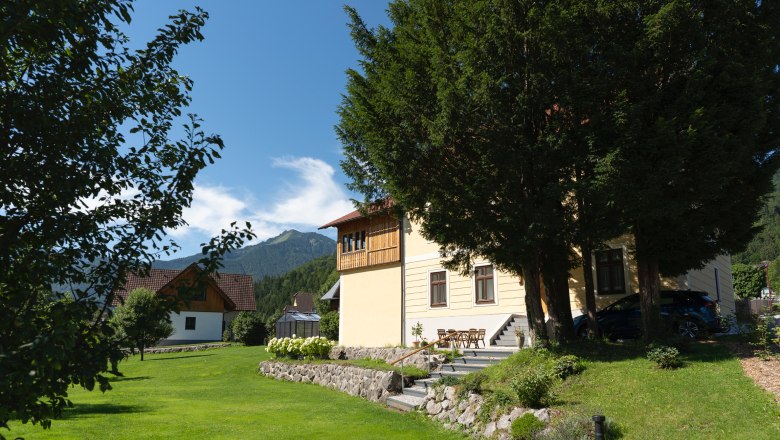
(217, 394)
(710, 398)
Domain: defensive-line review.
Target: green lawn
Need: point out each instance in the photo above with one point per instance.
(709, 398)
(218, 394)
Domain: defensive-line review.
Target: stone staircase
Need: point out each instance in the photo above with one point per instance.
(506, 337)
(473, 359)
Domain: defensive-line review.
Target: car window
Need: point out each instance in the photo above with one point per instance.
(627, 303)
(667, 300)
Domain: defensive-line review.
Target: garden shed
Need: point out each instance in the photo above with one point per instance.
(303, 325)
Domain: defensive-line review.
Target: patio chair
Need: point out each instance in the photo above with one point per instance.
(472, 338)
(442, 334)
(463, 339)
(455, 339)
(481, 337)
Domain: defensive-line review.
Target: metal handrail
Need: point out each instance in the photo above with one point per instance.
(449, 335)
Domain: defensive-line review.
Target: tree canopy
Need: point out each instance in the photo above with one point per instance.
(748, 280)
(505, 127)
(143, 320)
(91, 181)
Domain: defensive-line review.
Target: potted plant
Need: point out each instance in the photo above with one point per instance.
(417, 330)
(519, 337)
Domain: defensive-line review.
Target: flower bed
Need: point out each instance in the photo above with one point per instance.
(315, 347)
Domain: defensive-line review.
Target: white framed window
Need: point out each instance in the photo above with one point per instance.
(438, 289)
(484, 286)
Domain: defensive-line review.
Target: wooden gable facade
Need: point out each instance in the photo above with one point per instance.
(368, 241)
(185, 285)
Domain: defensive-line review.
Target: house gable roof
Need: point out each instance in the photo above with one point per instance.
(356, 214)
(236, 289)
(302, 302)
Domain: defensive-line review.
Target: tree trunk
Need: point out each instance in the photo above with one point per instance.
(590, 291)
(649, 294)
(141, 349)
(565, 320)
(533, 306)
(559, 306)
(554, 325)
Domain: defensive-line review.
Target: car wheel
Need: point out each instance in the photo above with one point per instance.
(688, 328)
(582, 332)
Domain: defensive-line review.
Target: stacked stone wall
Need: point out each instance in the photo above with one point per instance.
(443, 404)
(386, 354)
(373, 385)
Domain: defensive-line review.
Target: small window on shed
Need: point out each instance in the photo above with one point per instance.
(189, 323)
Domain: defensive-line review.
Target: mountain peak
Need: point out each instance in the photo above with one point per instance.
(275, 256)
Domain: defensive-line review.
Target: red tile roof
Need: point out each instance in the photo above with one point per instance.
(354, 215)
(238, 288)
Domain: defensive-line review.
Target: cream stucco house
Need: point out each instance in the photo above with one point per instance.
(392, 278)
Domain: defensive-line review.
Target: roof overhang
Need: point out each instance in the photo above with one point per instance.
(333, 292)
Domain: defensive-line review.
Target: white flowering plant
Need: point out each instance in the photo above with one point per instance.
(315, 347)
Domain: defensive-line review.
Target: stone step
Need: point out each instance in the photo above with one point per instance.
(478, 360)
(468, 368)
(506, 343)
(438, 374)
(501, 354)
(417, 391)
(425, 383)
(404, 402)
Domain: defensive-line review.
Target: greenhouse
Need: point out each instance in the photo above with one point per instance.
(299, 324)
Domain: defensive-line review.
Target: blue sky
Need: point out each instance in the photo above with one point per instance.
(268, 78)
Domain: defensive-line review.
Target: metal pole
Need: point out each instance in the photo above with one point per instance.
(598, 422)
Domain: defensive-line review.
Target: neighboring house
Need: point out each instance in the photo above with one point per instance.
(207, 315)
(299, 319)
(301, 302)
(391, 278)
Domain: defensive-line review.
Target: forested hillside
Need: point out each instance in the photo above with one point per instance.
(275, 256)
(274, 292)
(765, 246)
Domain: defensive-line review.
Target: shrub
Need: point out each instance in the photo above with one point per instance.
(577, 425)
(497, 399)
(316, 347)
(313, 347)
(248, 328)
(227, 335)
(761, 336)
(532, 387)
(448, 381)
(666, 357)
(525, 426)
(329, 325)
(472, 383)
(566, 366)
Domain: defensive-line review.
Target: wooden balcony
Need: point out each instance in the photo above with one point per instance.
(381, 246)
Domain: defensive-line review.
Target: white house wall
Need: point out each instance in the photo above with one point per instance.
(208, 327)
(461, 312)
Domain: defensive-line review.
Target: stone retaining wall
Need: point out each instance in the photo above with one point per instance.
(369, 384)
(386, 354)
(443, 404)
(180, 348)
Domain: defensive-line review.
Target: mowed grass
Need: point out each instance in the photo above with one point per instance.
(709, 398)
(218, 394)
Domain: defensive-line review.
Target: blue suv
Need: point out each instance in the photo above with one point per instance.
(688, 313)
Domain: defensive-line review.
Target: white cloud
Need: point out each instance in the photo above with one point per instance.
(313, 200)
(213, 208)
(309, 200)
